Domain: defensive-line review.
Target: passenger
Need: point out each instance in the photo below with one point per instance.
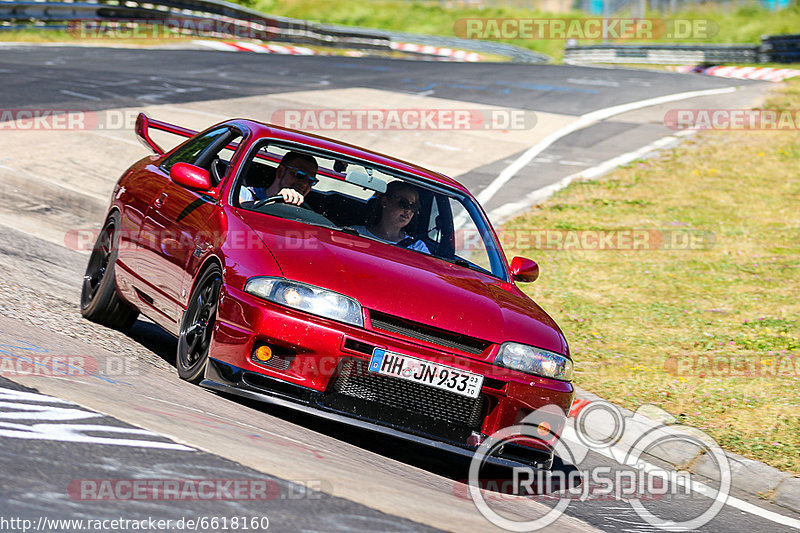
(396, 209)
(294, 178)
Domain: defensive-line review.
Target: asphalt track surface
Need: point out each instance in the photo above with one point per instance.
(44, 279)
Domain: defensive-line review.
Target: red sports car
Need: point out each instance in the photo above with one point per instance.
(306, 272)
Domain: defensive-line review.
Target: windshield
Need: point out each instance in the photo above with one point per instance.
(375, 203)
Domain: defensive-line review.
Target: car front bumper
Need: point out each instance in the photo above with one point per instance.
(323, 355)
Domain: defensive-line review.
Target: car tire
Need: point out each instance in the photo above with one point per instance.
(99, 299)
(197, 326)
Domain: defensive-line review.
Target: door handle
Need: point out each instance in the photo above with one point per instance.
(160, 200)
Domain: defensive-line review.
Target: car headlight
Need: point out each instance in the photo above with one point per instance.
(307, 298)
(532, 360)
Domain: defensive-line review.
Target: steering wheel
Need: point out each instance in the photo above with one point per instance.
(277, 199)
(218, 169)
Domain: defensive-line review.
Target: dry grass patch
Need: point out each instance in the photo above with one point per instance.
(712, 335)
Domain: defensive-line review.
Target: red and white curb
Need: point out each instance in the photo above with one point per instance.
(457, 55)
(242, 46)
(742, 73)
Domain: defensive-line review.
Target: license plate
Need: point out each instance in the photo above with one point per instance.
(425, 372)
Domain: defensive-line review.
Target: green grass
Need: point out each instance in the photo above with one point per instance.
(711, 335)
(744, 24)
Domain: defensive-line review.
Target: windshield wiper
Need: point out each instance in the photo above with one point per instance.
(466, 264)
(343, 229)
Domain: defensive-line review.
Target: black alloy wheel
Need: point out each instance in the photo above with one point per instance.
(99, 299)
(197, 326)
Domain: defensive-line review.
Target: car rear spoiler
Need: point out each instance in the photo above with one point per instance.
(143, 125)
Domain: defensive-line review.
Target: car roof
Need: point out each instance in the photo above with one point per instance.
(264, 130)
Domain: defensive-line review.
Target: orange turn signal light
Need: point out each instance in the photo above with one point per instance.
(543, 429)
(263, 353)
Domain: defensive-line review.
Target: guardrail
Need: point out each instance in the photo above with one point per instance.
(662, 53)
(773, 49)
(780, 49)
(229, 20)
(203, 17)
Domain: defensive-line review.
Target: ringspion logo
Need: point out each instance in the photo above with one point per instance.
(635, 480)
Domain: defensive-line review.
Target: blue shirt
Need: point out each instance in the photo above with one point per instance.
(417, 245)
(252, 194)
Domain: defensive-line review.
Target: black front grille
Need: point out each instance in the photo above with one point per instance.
(427, 333)
(355, 381)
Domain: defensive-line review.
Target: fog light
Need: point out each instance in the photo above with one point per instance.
(263, 353)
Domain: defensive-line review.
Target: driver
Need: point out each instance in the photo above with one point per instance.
(294, 177)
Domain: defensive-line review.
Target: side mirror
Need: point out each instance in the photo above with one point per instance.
(524, 270)
(190, 176)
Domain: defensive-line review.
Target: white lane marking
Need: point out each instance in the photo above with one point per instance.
(695, 486)
(43, 427)
(443, 146)
(75, 433)
(79, 95)
(18, 395)
(590, 81)
(583, 121)
(19, 411)
(506, 211)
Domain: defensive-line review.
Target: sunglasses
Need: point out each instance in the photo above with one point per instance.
(303, 175)
(405, 205)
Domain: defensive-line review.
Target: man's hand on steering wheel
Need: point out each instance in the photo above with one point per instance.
(286, 196)
(291, 196)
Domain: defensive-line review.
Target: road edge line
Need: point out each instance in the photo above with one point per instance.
(583, 121)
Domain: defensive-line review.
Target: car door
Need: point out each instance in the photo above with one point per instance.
(176, 225)
(135, 195)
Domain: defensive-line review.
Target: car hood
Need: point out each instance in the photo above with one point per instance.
(407, 284)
